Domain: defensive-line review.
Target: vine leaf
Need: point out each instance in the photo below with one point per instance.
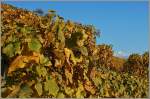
(14, 92)
(45, 61)
(70, 56)
(25, 92)
(61, 37)
(26, 30)
(38, 87)
(80, 90)
(19, 62)
(89, 87)
(8, 50)
(41, 70)
(74, 59)
(51, 86)
(60, 95)
(97, 81)
(12, 49)
(84, 51)
(69, 91)
(17, 48)
(34, 45)
(69, 75)
(58, 63)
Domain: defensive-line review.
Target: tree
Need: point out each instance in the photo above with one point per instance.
(145, 58)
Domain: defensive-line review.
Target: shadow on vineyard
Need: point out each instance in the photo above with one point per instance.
(45, 56)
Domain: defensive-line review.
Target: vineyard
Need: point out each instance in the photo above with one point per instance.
(44, 56)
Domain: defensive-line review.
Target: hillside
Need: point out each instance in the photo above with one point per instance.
(118, 62)
(44, 56)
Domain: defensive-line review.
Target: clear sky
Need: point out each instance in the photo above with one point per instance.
(122, 24)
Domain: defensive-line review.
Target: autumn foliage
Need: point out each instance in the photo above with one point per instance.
(48, 57)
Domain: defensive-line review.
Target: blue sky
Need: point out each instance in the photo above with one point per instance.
(122, 24)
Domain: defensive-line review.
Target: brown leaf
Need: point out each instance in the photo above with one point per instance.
(69, 75)
(89, 87)
(14, 92)
(93, 72)
(20, 62)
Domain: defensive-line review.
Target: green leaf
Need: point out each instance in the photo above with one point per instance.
(122, 88)
(97, 81)
(34, 45)
(12, 38)
(45, 61)
(69, 91)
(8, 50)
(25, 92)
(80, 90)
(51, 87)
(60, 95)
(26, 30)
(72, 42)
(84, 50)
(23, 30)
(17, 48)
(80, 43)
(41, 71)
(61, 37)
(12, 49)
(39, 89)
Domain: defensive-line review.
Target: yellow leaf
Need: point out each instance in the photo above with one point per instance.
(58, 63)
(17, 63)
(89, 87)
(67, 52)
(20, 62)
(79, 91)
(69, 75)
(39, 89)
(70, 56)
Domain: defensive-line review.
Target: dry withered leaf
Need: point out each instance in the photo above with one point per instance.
(69, 75)
(57, 56)
(21, 61)
(89, 87)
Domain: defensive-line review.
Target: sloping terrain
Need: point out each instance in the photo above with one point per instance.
(45, 56)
